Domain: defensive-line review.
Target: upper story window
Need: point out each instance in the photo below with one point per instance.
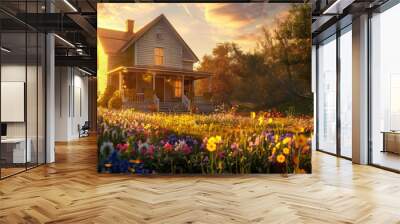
(158, 56)
(159, 36)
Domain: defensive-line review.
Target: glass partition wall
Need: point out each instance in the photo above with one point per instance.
(327, 95)
(334, 94)
(385, 89)
(22, 94)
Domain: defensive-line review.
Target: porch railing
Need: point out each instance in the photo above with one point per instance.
(156, 102)
(127, 96)
(139, 98)
(186, 102)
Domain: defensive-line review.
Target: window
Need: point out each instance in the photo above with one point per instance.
(346, 93)
(159, 36)
(177, 88)
(385, 89)
(159, 56)
(327, 96)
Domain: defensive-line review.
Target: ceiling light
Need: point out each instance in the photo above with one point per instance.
(84, 71)
(5, 50)
(70, 5)
(64, 40)
(337, 7)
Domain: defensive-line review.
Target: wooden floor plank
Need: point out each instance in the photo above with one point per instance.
(71, 191)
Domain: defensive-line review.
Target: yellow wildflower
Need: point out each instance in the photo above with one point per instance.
(280, 158)
(211, 146)
(253, 115)
(261, 120)
(286, 140)
(270, 121)
(302, 140)
(276, 138)
(286, 151)
(218, 139)
(212, 140)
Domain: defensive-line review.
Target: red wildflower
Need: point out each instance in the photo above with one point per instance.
(168, 147)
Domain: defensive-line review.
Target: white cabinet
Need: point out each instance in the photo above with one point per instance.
(19, 155)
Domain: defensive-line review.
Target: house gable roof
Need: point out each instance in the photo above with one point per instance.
(150, 25)
(113, 40)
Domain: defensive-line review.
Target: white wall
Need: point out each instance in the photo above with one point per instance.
(62, 82)
(71, 102)
(34, 125)
(12, 73)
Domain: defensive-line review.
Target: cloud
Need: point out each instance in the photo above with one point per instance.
(242, 14)
(202, 25)
(113, 16)
(242, 22)
(248, 37)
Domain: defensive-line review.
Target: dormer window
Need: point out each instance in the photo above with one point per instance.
(158, 56)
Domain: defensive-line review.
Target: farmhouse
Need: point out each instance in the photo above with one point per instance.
(152, 69)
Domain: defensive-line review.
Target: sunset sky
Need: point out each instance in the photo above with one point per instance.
(201, 25)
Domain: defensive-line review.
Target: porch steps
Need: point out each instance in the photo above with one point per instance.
(173, 107)
(137, 106)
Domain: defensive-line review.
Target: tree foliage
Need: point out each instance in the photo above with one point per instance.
(277, 74)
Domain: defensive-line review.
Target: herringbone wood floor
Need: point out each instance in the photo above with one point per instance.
(71, 191)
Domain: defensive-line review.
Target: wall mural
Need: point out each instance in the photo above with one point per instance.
(204, 88)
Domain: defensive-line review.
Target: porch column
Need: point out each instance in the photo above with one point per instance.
(209, 84)
(193, 87)
(154, 81)
(136, 83)
(120, 80)
(183, 86)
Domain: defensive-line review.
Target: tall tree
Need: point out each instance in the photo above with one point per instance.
(287, 51)
(222, 65)
(276, 75)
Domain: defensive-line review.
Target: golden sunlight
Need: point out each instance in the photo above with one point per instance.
(102, 62)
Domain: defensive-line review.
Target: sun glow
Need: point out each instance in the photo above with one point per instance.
(102, 67)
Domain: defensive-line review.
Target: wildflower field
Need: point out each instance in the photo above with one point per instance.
(220, 143)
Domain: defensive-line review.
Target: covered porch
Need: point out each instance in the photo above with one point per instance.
(156, 88)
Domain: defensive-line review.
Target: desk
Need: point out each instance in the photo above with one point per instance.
(13, 150)
(391, 141)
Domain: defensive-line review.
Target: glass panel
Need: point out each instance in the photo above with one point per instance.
(31, 98)
(385, 87)
(327, 96)
(346, 94)
(41, 99)
(32, 88)
(22, 81)
(13, 86)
